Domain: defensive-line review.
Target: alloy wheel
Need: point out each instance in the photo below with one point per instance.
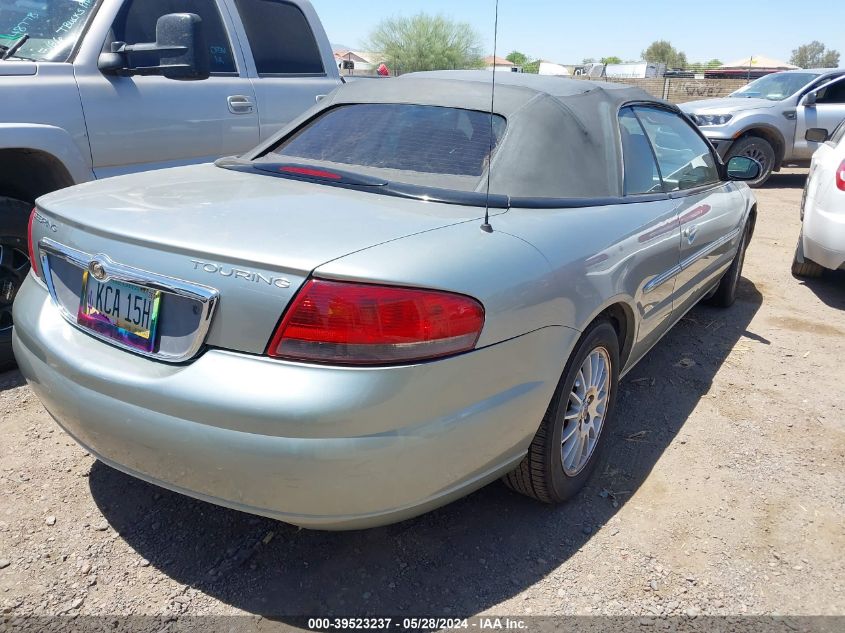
(14, 265)
(585, 412)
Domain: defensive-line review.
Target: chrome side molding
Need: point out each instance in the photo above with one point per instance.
(673, 272)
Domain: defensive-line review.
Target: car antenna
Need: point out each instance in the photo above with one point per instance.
(486, 226)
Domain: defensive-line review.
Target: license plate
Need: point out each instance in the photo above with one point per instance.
(121, 311)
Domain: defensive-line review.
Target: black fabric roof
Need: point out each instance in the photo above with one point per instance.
(562, 137)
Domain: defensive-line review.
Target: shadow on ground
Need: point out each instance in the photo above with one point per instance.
(11, 379)
(457, 560)
(830, 288)
(786, 180)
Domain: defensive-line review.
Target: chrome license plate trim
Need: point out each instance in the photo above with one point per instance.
(206, 296)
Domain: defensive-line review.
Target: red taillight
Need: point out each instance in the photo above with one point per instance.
(363, 324)
(840, 176)
(30, 245)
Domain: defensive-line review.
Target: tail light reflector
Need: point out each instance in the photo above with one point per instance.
(840, 176)
(30, 245)
(363, 324)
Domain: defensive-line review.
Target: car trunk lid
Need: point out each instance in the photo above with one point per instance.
(253, 239)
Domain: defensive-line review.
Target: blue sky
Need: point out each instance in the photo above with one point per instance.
(567, 31)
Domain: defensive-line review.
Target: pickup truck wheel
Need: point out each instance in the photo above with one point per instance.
(14, 266)
(760, 150)
(565, 448)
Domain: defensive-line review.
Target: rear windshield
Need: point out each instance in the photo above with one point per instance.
(433, 146)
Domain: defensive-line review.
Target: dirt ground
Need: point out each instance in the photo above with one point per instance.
(722, 492)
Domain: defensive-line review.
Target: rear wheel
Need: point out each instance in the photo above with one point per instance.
(803, 267)
(566, 447)
(760, 150)
(14, 265)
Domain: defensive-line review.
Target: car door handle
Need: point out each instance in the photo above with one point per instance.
(689, 233)
(240, 104)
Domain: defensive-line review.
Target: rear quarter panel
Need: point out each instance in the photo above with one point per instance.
(822, 172)
(606, 255)
(538, 268)
(511, 278)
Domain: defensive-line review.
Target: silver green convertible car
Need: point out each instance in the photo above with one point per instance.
(401, 297)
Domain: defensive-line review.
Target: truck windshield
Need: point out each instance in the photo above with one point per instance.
(52, 27)
(775, 87)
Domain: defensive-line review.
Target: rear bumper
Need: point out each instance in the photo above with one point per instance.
(320, 447)
(823, 234)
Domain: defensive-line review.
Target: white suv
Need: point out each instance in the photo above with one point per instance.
(822, 241)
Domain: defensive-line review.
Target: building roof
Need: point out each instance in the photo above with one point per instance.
(758, 61)
(497, 61)
(356, 56)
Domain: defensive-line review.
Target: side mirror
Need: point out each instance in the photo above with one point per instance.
(743, 168)
(180, 46)
(809, 100)
(816, 135)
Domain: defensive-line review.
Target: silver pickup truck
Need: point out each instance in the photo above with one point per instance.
(98, 88)
(768, 119)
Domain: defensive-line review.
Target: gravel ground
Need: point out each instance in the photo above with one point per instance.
(721, 493)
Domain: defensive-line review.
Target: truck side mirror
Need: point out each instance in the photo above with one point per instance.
(809, 100)
(180, 45)
(816, 135)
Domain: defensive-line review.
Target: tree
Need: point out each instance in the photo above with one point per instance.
(700, 67)
(814, 55)
(613, 59)
(532, 67)
(663, 52)
(588, 60)
(517, 59)
(426, 42)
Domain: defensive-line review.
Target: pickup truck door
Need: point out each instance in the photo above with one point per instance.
(289, 58)
(827, 112)
(711, 211)
(149, 122)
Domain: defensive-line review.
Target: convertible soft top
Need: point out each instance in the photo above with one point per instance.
(562, 136)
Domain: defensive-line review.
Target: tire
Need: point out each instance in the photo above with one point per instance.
(803, 267)
(14, 266)
(760, 150)
(725, 294)
(542, 474)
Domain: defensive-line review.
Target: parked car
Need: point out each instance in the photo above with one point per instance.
(767, 119)
(822, 241)
(342, 328)
(82, 101)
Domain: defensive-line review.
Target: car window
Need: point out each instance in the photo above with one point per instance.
(136, 23)
(280, 37)
(425, 145)
(684, 158)
(832, 93)
(641, 174)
